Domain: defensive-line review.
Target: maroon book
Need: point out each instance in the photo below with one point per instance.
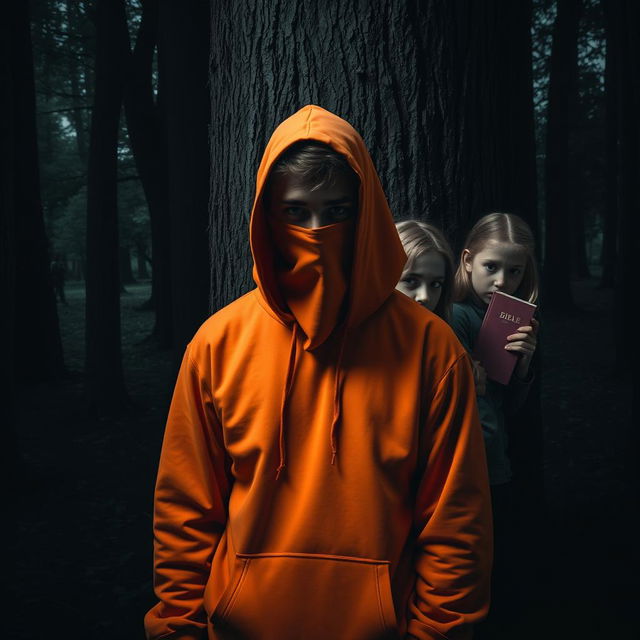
(504, 315)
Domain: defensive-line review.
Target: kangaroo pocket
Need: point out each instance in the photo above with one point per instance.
(315, 597)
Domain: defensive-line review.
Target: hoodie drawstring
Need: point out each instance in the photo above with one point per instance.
(285, 395)
(337, 405)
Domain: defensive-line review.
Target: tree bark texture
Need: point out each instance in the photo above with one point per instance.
(609, 234)
(8, 116)
(626, 285)
(148, 138)
(562, 87)
(104, 377)
(77, 115)
(36, 320)
(440, 91)
(183, 70)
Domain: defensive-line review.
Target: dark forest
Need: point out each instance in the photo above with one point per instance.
(130, 136)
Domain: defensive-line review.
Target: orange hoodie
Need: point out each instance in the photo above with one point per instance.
(323, 491)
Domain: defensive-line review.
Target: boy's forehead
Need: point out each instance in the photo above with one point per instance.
(290, 186)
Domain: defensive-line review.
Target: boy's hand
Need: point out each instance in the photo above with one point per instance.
(524, 344)
(479, 377)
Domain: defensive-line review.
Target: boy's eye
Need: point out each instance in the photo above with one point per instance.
(341, 212)
(294, 212)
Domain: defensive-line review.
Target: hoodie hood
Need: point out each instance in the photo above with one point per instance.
(378, 255)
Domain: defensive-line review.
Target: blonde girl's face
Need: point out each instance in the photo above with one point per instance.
(423, 279)
(499, 266)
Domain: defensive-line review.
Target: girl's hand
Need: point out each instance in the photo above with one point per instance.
(524, 344)
(479, 377)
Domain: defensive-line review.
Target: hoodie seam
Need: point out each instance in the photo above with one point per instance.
(205, 385)
(267, 309)
(447, 372)
(309, 121)
(313, 556)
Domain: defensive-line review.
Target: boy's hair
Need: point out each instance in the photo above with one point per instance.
(500, 227)
(316, 163)
(417, 238)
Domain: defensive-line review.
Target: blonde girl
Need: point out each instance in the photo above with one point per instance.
(498, 255)
(427, 277)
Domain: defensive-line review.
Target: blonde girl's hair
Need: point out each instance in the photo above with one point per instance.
(500, 227)
(417, 238)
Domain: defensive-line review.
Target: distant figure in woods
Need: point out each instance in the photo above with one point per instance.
(427, 276)
(58, 270)
(322, 474)
(498, 255)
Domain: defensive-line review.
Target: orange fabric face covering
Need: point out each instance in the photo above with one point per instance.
(313, 269)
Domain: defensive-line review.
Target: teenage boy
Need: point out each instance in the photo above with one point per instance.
(323, 473)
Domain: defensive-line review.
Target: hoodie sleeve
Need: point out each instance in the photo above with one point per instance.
(453, 515)
(190, 508)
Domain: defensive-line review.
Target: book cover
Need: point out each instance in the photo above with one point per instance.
(504, 315)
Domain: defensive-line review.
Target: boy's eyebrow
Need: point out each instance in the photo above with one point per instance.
(338, 200)
(327, 202)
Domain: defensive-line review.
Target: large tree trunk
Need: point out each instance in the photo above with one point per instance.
(441, 93)
(32, 349)
(8, 115)
(562, 87)
(609, 234)
(77, 116)
(476, 147)
(577, 203)
(36, 323)
(626, 280)
(147, 134)
(183, 68)
(105, 383)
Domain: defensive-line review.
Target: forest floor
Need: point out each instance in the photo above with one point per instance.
(83, 547)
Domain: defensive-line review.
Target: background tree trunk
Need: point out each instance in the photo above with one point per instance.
(79, 101)
(626, 281)
(126, 272)
(141, 261)
(609, 234)
(9, 26)
(183, 58)
(575, 174)
(477, 154)
(147, 134)
(36, 322)
(562, 87)
(104, 377)
(441, 93)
